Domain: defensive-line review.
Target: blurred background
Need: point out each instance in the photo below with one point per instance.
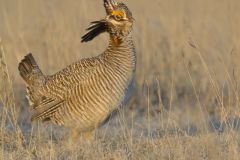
(188, 54)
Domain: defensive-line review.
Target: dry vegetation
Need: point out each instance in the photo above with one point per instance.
(185, 103)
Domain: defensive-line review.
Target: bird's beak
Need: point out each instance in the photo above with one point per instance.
(132, 19)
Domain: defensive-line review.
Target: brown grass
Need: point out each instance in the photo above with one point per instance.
(185, 103)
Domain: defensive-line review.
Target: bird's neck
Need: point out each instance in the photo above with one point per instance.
(121, 50)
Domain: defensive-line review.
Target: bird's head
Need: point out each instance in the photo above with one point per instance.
(118, 22)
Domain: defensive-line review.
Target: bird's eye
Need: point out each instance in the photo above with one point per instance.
(117, 17)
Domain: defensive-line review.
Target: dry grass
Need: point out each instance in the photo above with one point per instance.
(185, 103)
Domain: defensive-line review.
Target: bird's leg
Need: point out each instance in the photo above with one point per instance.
(76, 134)
(88, 135)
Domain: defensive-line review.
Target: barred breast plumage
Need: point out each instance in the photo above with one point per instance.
(82, 95)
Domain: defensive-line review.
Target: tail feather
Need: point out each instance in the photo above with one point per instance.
(30, 71)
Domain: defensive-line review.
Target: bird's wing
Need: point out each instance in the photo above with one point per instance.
(52, 96)
(45, 108)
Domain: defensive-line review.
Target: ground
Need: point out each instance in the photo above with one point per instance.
(185, 101)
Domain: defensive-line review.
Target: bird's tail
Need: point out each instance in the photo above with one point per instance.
(30, 71)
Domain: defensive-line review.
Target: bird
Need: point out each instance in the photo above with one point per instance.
(84, 94)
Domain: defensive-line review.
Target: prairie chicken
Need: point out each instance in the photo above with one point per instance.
(85, 93)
